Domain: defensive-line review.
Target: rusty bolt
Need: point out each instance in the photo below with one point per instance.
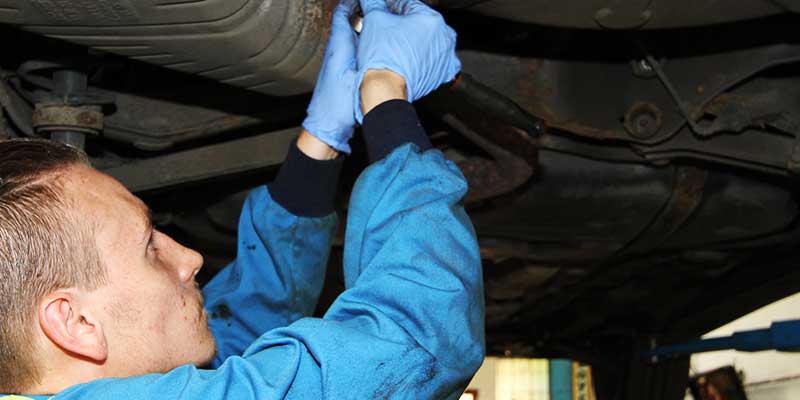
(643, 120)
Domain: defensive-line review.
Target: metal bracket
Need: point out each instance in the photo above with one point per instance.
(683, 106)
(233, 157)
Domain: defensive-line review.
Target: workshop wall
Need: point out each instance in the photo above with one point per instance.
(768, 375)
(510, 378)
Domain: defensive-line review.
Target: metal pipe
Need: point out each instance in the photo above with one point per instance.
(66, 83)
(496, 103)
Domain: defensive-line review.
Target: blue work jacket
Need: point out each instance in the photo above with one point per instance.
(410, 324)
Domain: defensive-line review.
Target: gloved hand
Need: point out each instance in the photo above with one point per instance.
(330, 113)
(413, 41)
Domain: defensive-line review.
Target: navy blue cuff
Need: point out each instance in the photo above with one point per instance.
(304, 186)
(390, 125)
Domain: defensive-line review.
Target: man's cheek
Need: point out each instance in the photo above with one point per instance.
(158, 313)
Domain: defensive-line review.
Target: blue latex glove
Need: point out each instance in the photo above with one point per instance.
(330, 113)
(412, 40)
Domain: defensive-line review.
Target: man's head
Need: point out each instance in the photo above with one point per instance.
(90, 288)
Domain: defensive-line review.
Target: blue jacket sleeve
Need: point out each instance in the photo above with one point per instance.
(409, 325)
(276, 278)
(412, 317)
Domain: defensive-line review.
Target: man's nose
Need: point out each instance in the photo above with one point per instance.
(189, 265)
(187, 262)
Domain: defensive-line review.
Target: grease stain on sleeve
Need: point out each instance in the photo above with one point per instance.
(422, 368)
(221, 311)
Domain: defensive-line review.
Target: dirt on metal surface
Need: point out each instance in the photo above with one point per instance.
(533, 84)
(489, 178)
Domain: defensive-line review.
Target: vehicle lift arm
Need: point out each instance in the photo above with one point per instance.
(780, 336)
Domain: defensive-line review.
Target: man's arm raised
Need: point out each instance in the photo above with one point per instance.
(285, 232)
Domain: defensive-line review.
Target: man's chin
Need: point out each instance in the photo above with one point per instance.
(212, 351)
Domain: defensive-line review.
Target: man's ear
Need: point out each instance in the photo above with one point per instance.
(72, 327)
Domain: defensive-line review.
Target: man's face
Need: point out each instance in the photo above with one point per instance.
(151, 309)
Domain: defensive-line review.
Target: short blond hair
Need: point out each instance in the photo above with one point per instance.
(44, 246)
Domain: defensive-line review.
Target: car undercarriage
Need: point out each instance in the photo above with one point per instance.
(632, 164)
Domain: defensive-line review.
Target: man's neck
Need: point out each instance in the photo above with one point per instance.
(61, 371)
